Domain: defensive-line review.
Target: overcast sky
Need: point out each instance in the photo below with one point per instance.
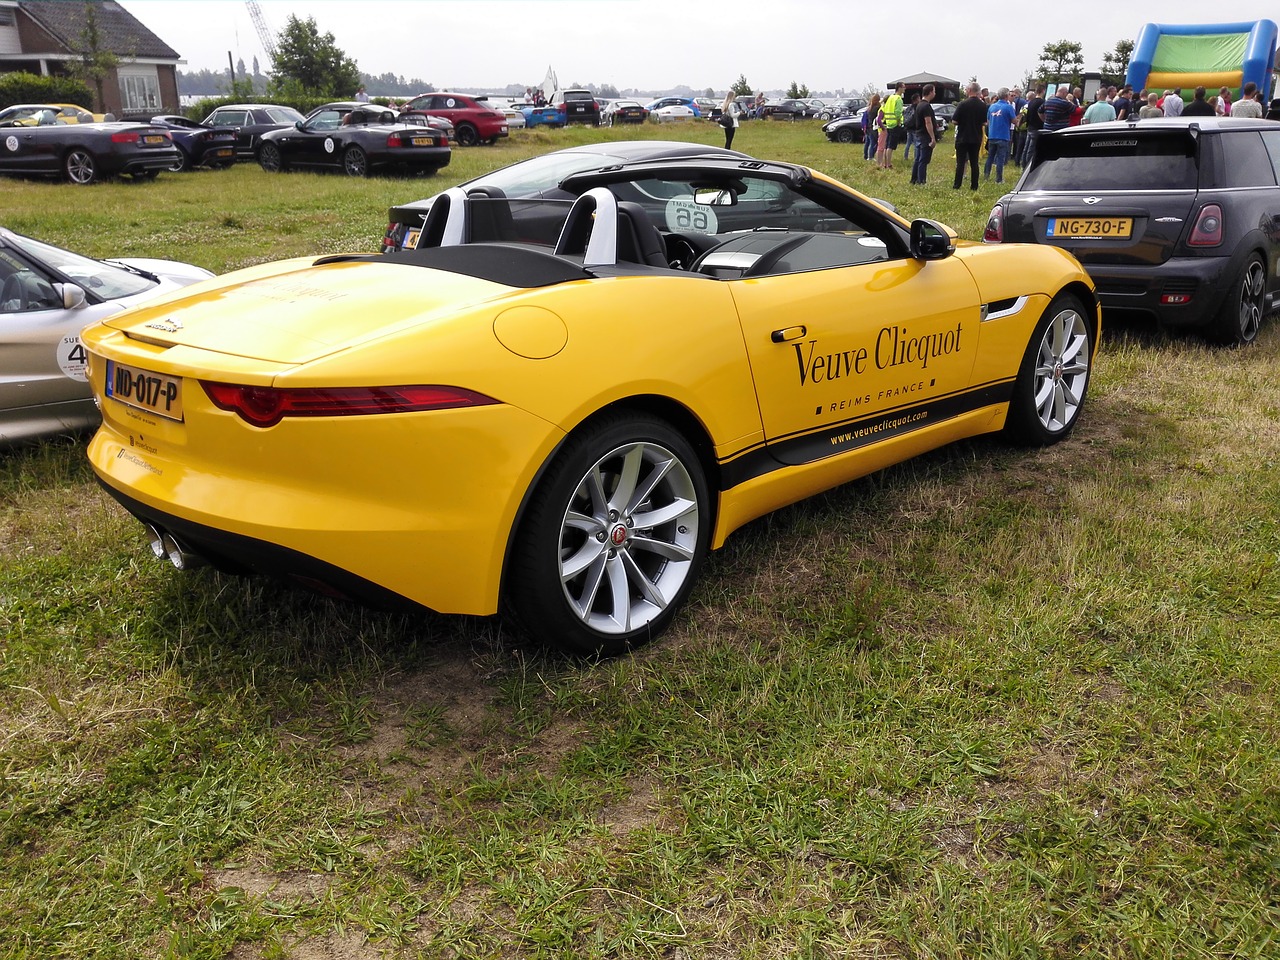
(826, 45)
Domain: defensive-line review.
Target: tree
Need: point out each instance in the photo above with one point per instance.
(311, 64)
(95, 63)
(740, 87)
(1115, 63)
(797, 93)
(1061, 62)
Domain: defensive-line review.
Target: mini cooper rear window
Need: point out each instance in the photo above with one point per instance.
(1124, 160)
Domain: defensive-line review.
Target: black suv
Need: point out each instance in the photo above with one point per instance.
(1179, 218)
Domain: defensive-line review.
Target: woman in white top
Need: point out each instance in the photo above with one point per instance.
(729, 118)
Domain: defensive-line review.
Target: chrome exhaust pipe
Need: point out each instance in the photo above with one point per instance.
(180, 556)
(155, 540)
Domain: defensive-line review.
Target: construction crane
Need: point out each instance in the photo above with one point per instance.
(264, 32)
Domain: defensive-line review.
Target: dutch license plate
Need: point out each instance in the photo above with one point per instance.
(411, 238)
(422, 141)
(154, 392)
(1078, 228)
(222, 153)
(154, 139)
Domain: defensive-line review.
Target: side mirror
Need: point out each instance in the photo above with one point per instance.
(298, 124)
(930, 240)
(72, 295)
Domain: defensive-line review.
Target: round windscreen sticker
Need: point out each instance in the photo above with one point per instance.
(328, 144)
(11, 144)
(73, 358)
(685, 216)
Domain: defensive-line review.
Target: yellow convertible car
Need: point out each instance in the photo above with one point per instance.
(555, 408)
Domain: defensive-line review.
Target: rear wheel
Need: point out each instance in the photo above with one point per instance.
(845, 135)
(269, 158)
(1240, 318)
(79, 166)
(467, 135)
(355, 163)
(614, 538)
(1049, 393)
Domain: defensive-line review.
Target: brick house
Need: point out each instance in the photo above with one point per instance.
(44, 37)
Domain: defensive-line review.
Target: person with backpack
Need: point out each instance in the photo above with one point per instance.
(910, 126)
(870, 135)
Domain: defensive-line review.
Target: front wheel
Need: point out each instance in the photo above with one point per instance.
(845, 135)
(269, 158)
(1049, 393)
(183, 162)
(615, 535)
(80, 166)
(355, 163)
(1238, 321)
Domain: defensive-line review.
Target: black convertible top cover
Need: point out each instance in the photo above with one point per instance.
(514, 265)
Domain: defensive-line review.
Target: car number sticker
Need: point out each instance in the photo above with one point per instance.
(685, 216)
(73, 359)
(328, 144)
(11, 143)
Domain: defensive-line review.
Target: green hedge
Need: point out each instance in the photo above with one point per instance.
(304, 105)
(33, 88)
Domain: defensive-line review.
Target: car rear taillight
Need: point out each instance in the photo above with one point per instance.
(1208, 229)
(267, 406)
(994, 231)
(393, 140)
(127, 136)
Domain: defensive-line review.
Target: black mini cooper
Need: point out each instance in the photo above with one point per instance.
(1177, 218)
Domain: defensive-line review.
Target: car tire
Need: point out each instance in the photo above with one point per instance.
(1054, 376)
(467, 135)
(182, 163)
(354, 162)
(269, 158)
(1240, 317)
(593, 572)
(845, 135)
(79, 166)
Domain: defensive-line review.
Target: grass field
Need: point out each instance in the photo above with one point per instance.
(991, 703)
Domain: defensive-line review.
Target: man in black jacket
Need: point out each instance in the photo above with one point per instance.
(969, 119)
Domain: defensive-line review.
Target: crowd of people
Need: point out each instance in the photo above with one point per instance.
(1005, 124)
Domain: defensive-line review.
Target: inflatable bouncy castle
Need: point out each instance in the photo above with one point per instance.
(1209, 55)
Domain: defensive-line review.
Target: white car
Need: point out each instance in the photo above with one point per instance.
(673, 113)
(47, 296)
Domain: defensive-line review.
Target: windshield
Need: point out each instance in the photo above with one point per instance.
(100, 279)
(542, 173)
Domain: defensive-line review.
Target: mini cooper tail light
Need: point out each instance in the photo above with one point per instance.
(994, 231)
(267, 406)
(1208, 229)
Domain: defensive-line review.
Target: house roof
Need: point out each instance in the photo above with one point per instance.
(921, 78)
(119, 31)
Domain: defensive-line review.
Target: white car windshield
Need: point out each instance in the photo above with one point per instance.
(103, 280)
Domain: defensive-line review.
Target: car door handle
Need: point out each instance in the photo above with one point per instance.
(788, 333)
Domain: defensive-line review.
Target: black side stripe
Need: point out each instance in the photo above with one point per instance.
(834, 439)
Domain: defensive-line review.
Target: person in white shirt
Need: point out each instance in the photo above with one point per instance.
(1247, 105)
(1173, 103)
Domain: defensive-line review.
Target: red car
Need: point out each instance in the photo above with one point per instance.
(473, 122)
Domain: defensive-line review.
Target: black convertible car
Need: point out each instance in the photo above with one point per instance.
(86, 152)
(355, 138)
(198, 145)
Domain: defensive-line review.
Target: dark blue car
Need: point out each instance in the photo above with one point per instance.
(199, 146)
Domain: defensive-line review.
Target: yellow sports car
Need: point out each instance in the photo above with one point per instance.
(555, 408)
